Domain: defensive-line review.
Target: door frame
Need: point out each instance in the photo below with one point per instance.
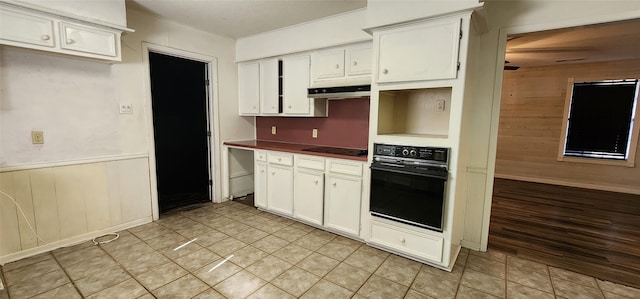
(213, 118)
(497, 94)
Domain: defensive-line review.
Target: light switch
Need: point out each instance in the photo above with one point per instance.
(440, 105)
(314, 133)
(273, 130)
(126, 108)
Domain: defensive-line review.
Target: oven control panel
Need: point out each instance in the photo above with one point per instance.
(437, 154)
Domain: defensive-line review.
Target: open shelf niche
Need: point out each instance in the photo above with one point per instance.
(415, 112)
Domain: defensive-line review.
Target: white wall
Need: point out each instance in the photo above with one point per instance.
(515, 17)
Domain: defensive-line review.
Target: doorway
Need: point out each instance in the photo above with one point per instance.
(180, 106)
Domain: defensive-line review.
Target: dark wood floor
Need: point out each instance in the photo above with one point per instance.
(586, 231)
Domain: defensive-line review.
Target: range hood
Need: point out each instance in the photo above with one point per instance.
(342, 92)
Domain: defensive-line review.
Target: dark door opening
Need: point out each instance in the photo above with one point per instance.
(181, 130)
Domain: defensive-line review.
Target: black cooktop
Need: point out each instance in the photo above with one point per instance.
(337, 151)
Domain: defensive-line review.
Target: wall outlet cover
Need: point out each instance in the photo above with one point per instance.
(37, 137)
(314, 133)
(273, 130)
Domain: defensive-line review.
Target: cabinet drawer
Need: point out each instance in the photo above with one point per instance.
(280, 158)
(414, 243)
(260, 155)
(344, 167)
(89, 40)
(26, 28)
(310, 162)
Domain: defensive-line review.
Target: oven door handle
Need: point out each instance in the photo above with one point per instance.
(402, 171)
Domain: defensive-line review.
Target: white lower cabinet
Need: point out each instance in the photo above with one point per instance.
(260, 181)
(280, 183)
(408, 241)
(342, 203)
(308, 195)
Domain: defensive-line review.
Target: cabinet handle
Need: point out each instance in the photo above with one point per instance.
(316, 181)
(45, 37)
(289, 106)
(273, 173)
(402, 240)
(261, 171)
(337, 66)
(334, 184)
(355, 63)
(279, 159)
(70, 41)
(385, 71)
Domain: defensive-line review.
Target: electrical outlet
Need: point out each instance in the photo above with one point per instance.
(314, 133)
(126, 108)
(440, 105)
(273, 130)
(37, 137)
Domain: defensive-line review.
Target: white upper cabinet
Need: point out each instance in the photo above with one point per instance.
(42, 30)
(342, 66)
(295, 85)
(249, 88)
(421, 51)
(269, 89)
(329, 64)
(359, 61)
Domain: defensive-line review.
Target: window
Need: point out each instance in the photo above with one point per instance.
(600, 120)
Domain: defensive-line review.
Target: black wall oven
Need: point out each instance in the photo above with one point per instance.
(408, 184)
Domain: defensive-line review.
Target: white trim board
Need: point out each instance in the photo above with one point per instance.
(72, 162)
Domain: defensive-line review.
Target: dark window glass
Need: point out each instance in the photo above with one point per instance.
(600, 119)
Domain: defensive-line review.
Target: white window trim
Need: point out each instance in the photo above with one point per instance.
(633, 146)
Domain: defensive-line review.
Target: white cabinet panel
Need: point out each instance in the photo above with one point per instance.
(269, 90)
(26, 28)
(342, 203)
(260, 189)
(308, 194)
(329, 64)
(249, 88)
(89, 40)
(425, 51)
(407, 241)
(295, 85)
(280, 189)
(359, 61)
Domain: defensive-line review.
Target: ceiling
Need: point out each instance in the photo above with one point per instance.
(239, 18)
(604, 42)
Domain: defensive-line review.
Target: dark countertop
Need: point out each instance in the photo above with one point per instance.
(295, 148)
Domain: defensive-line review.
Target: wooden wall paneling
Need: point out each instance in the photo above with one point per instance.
(9, 227)
(112, 172)
(45, 204)
(69, 194)
(475, 192)
(96, 197)
(134, 189)
(22, 183)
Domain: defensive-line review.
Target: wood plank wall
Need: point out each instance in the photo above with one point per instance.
(587, 231)
(531, 115)
(69, 202)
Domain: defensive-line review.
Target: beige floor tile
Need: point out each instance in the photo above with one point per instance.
(514, 262)
(318, 264)
(271, 226)
(233, 228)
(247, 255)
(454, 275)
(292, 253)
(194, 231)
(491, 254)
(80, 255)
(131, 252)
(210, 237)
(240, 285)
(102, 280)
(295, 281)
(182, 249)
(399, 269)
(270, 291)
(557, 273)
(161, 275)
(518, 291)
(530, 278)
(570, 289)
(311, 242)
(269, 267)
(378, 287)
(70, 249)
(216, 272)
(338, 250)
(412, 294)
(90, 267)
(618, 289)
(197, 259)
(270, 244)
(184, 287)
(145, 263)
(290, 233)
(484, 283)
(226, 246)
(251, 235)
(465, 292)
(124, 290)
(348, 276)
(67, 291)
(325, 289)
(434, 286)
(209, 294)
(149, 231)
(486, 266)
(461, 260)
(30, 272)
(365, 259)
(169, 240)
(125, 239)
(39, 285)
(27, 261)
(303, 227)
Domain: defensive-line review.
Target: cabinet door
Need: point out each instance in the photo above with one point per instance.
(359, 61)
(295, 85)
(342, 203)
(329, 64)
(308, 194)
(25, 28)
(249, 88)
(269, 90)
(88, 40)
(280, 189)
(419, 52)
(260, 185)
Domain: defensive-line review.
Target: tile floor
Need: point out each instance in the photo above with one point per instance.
(241, 252)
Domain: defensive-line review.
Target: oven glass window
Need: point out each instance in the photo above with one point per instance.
(409, 198)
